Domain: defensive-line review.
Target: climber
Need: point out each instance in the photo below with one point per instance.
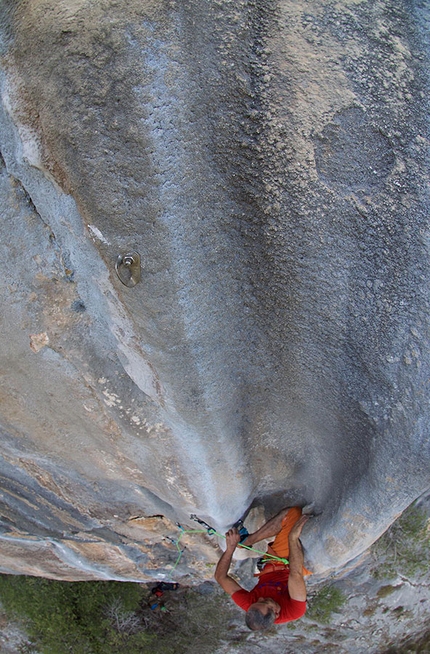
(280, 594)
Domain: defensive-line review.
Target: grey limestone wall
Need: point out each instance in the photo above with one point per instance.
(268, 161)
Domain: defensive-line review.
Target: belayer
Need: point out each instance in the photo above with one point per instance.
(280, 594)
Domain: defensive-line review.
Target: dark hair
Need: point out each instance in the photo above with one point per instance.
(256, 621)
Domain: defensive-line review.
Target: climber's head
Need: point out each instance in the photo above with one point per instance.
(262, 614)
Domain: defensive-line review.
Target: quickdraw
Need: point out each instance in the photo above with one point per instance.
(210, 531)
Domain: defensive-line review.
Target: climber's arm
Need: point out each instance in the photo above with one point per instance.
(296, 582)
(226, 582)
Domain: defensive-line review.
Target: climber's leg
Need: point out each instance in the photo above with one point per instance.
(272, 527)
(280, 546)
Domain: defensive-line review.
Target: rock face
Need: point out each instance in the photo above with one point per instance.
(267, 161)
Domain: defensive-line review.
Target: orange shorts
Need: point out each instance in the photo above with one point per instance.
(280, 546)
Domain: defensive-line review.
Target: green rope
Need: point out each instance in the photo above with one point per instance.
(215, 533)
(184, 531)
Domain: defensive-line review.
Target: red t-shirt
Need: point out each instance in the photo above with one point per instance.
(274, 585)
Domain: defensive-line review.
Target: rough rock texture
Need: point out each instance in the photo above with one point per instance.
(268, 161)
(380, 605)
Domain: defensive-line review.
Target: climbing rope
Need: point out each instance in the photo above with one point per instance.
(210, 531)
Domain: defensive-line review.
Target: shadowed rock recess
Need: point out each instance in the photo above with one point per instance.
(268, 161)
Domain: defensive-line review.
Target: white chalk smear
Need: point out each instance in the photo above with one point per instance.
(97, 233)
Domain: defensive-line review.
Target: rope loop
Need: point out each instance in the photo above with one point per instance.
(210, 531)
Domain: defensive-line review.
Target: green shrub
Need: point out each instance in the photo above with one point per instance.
(404, 548)
(327, 601)
(114, 617)
(63, 617)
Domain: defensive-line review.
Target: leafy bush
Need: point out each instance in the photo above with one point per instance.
(327, 601)
(404, 548)
(191, 622)
(114, 617)
(63, 617)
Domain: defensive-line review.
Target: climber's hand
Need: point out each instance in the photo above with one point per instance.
(232, 538)
(297, 528)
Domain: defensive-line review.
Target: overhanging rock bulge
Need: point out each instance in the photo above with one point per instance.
(267, 163)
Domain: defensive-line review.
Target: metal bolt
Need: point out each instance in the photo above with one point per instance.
(128, 268)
